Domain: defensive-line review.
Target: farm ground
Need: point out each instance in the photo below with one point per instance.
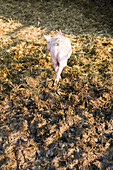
(69, 126)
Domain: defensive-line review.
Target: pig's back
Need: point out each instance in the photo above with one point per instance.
(61, 48)
(64, 49)
(64, 43)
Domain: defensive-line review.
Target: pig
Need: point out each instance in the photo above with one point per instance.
(60, 50)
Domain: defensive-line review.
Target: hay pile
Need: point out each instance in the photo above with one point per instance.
(65, 127)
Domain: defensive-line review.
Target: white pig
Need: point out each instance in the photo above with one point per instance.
(60, 50)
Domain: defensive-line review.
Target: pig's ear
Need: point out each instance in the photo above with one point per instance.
(59, 33)
(47, 38)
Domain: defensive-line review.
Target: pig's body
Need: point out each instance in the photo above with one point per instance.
(60, 50)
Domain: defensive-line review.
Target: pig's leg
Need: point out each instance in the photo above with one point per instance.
(60, 68)
(55, 68)
(55, 65)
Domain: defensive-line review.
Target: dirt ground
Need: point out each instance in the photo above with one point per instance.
(63, 127)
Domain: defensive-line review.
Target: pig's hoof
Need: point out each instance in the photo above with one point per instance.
(55, 83)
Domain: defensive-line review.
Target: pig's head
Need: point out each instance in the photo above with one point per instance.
(49, 40)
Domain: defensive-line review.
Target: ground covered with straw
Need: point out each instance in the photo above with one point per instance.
(64, 127)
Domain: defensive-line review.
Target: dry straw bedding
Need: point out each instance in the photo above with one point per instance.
(65, 127)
